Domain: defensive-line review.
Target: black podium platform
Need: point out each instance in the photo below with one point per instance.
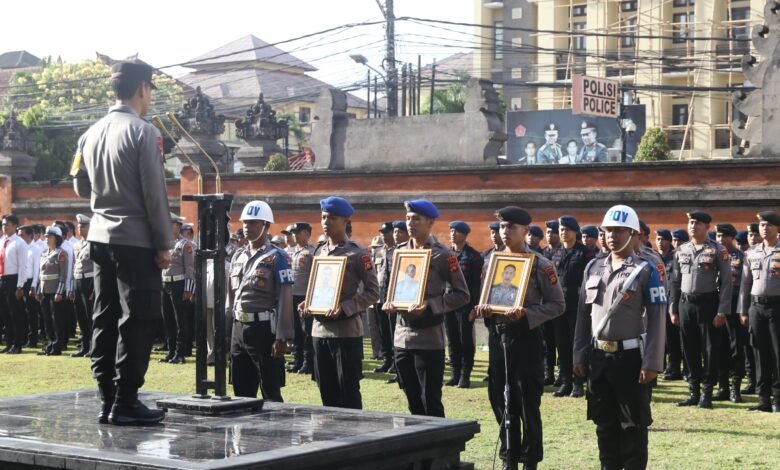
(60, 430)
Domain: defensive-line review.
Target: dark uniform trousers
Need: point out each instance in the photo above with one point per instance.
(127, 305)
(175, 317)
(337, 369)
(700, 339)
(385, 333)
(673, 345)
(253, 364)
(33, 314)
(299, 340)
(765, 334)
(526, 382)
(564, 332)
(460, 336)
(83, 290)
(12, 311)
(421, 375)
(732, 353)
(548, 329)
(54, 322)
(619, 406)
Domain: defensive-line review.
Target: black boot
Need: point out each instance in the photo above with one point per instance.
(693, 397)
(750, 387)
(465, 378)
(775, 404)
(455, 378)
(566, 389)
(386, 365)
(107, 392)
(763, 405)
(705, 401)
(549, 377)
(128, 410)
(735, 396)
(723, 392)
(577, 390)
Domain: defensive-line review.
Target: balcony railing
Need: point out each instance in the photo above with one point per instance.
(564, 68)
(678, 59)
(729, 56)
(620, 62)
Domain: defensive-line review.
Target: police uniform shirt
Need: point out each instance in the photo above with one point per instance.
(737, 265)
(651, 256)
(444, 269)
(571, 266)
(262, 281)
(503, 295)
(544, 298)
(359, 269)
(83, 266)
(700, 272)
(593, 153)
(489, 252)
(33, 261)
(549, 154)
(301, 263)
(68, 249)
(646, 296)
(182, 264)
(119, 167)
(471, 263)
(761, 275)
(381, 262)
(553, 254)
(53, 271)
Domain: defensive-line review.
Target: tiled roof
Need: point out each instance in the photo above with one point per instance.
(248, 49)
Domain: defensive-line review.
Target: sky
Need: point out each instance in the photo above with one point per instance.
(169, 32)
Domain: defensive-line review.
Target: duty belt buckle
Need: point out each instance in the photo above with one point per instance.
(243, 317)
(608, 346)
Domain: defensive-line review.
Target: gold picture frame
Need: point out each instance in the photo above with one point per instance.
(408, 278)
(324, 290)
(503, 289)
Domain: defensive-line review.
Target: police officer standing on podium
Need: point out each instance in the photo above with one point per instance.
(620, 355)
(83, 286)
(261, 302)
(699, 300)
(338, 334)
(525, 348)
(759, 308)
(119, 167)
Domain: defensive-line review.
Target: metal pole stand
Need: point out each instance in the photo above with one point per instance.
(212, 236)
(507, 424)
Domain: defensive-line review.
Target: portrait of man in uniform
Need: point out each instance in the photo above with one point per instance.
(504, 291)
(325, 283)
(506, 280)
(408, 278)
(408, 287)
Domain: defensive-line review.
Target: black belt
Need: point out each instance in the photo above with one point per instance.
(765, 299)
(698, 297)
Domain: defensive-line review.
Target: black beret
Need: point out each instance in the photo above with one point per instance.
(680, 234)
(569, 222)
(769, 217)
(726, 229)
(553, 224)
(741, 237)
(460, 226)
(664, 233)
(514, 214)
(644, 227)
(590, 230)
(300, 227)
(537, 231)
(132, 72)
(494, 226)
(386, 227)
(700, 216)
(752, 228)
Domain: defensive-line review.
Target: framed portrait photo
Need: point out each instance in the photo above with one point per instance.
(408, 278)
(506, 281)
(324, 289)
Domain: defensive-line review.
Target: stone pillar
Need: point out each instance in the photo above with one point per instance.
(199, 120)
(260, 131)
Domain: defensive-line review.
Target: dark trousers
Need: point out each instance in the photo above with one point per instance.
(33, 309)
(765, 335)
(337, 368)
(421, 375)
(619, 406)
(732, 352)
(549, 342)
(254, 367)
(564, 336)
(526, 385)
(70, 317)
(460, 338)
(749, 352)
(84, 289)
(673, 346)
(191, 328)
(12, 312)
(54, 322)
(175, 317)
(701, 340)
(300, 332)
(127, 305)
(385, 333)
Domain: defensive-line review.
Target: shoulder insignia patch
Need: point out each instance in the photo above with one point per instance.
(62, 257)
(452, 261)
(552, 276)
(661, 272)
(724, 253)
(368, 264)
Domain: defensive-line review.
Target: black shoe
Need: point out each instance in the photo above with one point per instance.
(384, 367)
(31, 345)
(705, 402)
(558, 381)
(15, 350)
(465, 381)
(305, 369)
(734, 395)
(392, 370)
(722, 395)
(693, 398)
(750, 388)
(486, 379)
(529, 466)
(762, 406)
(177, 360)
(508, 465)
(107, 393)
(81, 353)
(673, 375)
(391, 380)
(137, 413)
(577, 391)
(565, 390)
(54, 352)
(453, 380)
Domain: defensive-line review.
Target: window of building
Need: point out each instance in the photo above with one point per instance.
(498, 42)
(304, 115)
(628, 5)
(629, 30)
(683, 27)
(740, 28)
(580, 42)
(679, 114)
(579, 10)
(683, 3)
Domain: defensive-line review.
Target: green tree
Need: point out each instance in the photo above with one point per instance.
(653, 146)
(62, 100)
(295, 128)
(451, 99)
(277, 162)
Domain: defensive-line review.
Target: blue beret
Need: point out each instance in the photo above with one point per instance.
(680, 234)
(590, 230)
(553, 224)
(400, 225)
(569, 222)
(337, 206)
(422, 207)
(742, 237)
(495, 226)
(460, 226)
(536, 231)
(664, 233)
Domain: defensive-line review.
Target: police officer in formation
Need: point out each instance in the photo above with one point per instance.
(495, 239)
(534, 239)
(260, 301)
(419, 336)
(673, 370)
(178, 288)
(83, 292)
(51, 291)
(553, 252)
(382, 261)
(301, 253)
(520, 329)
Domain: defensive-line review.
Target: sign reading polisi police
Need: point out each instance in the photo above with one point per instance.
(595, 96)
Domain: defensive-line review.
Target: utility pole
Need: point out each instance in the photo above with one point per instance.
(392, 72)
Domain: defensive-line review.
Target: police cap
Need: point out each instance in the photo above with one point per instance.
(569, 222)
(741, 237)
(590, 230)
(287, 230)
(400, 225)
(186, 227)
(386, 227)
(553, 224)
(514, 214)
(680, 234)
(300, 227)
(337, 206)
(54, 230)
(726, 229)
(460, 226)
(588, 125)
(664, 233)
(699, 216)
(132, 72)
(769, 217)
(536, 231)
(422, 207)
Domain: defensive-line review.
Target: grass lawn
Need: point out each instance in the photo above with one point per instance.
(681, 438)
